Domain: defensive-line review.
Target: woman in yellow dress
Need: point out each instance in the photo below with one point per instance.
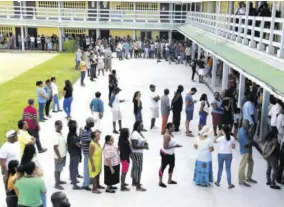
(95, 161)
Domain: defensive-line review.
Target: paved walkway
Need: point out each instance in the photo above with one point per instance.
(138, 75)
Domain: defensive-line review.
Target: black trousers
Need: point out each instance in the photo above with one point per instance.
(188, 59)
(73, 168)
(110, 90)
(35, 134)
(272, 165)
(47, 107)
(176, 119)
(93, 71)
(193, 73)
(167, 159)
(281, 165)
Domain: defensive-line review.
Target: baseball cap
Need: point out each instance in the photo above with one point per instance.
(152, 86)
(11, 133)
(90, 120)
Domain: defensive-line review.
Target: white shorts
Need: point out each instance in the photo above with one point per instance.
(201, 71)
(155, 112)
(116, 116)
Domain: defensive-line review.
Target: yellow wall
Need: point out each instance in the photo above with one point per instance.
(155, 34)
(224, 7)
(7, 29)
(6, 3)
(121, 33)
(47, 31)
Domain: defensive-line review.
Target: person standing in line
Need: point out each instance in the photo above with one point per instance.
(203, 112)
(48, 90)
(111, 164)
(74, 150)
(42, 98)
(217, 113)
(154, 105)
(54, 88)
(274, 111)
(112, 83)
(60, 151)
(280, 128)
(10, 150)
(95, 161)
(189, 110)
(271, 154)
(176, 107)
(78, 58)
(108, 57)
(188, 54)
(68, 98)
(226, 145)
(203, 172)
(165, 110)
(59, 199)
(201, 68)
(138, 144)
(83, 69)
(11, 196)
(30, 116)
(24, 137)
(137, 103)
(168, 155)
(93, 61)
(115, 105)
(101, 63)
(42, 39)
(97, 109)
(124, 148)
(193, 67)
(85, 136)
(246, 153)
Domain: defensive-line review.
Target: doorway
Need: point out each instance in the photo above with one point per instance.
(93, 33)
(164, 35)
(104, 34)
(146, 34)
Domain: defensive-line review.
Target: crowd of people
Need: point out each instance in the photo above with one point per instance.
(23, 172)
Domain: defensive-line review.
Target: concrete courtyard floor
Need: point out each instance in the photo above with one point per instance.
(137, 75)
(13, 64)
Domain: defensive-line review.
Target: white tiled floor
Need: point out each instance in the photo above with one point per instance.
(138, 75)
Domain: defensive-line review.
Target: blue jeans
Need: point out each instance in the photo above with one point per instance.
(86, 180)
(181, 57)
(40, 111)
(227, 158)
(43, 199)
(138, 115)
(67, 105)
(83, 74)
(55, 103)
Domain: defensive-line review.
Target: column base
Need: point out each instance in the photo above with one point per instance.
(245, 41)
(228, 36)
(270, 50)
(233, 37)
(260, 46)
(280, 53)
(239, 39)
(252, 44)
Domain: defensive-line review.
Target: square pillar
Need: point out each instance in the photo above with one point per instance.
(264, 114)
(23, 38)
(270, 49)
(241, 90)
(225, 77)
(214, 72)
(98, 33)
(193, 48)
(134, 35)
(60, 42)
(170, 36)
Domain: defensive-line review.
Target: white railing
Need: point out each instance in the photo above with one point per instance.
(89, 15)
(255, 32)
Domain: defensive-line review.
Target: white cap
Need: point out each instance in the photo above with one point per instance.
(11, 133)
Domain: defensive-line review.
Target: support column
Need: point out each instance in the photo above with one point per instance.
(270, 49)
(214, 72)
(193, 48)
(60, 39)
(98, 10)
(230, 12)
(264, 114)
(59, 11)
(198, 52)
(171, 12)
(245, 40)
(134, 35)
(225, 76)
(98, 33)
(23, 38)
(241, 90)
(170, 36)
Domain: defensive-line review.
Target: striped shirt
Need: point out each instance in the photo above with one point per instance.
(30, 116)
(86, 140)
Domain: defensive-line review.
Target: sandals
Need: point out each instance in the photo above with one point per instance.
(96, 192)
(110, 191)
(125, 189)
(172, 182)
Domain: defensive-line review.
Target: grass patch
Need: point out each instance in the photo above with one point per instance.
(15, 93)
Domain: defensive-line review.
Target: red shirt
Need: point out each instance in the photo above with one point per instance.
(30, 116)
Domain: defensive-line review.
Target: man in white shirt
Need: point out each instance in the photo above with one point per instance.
(32, 42)
(188, 55)
(55, 95)
(115, 106)
(9, 151)
(280, 128)
(60, 151)
(274, 111)
(154, 105)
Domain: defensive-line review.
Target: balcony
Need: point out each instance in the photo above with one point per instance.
(91, 18)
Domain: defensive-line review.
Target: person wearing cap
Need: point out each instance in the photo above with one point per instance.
(83, 68)
(85, 136)
(97, 108)
(60, 151)
(115, 106)
(10, 150)
(189, 110)
(30, 116)
(154, 105)
(176, 107)
(203, 172)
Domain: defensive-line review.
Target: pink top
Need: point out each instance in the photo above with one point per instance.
(111, 152)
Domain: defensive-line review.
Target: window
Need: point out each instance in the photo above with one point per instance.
(48, 4)
(125, 6)
(75, 31)
(146, 6)
(5, 29)
(74, 4)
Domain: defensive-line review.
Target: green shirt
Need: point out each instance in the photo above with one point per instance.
(30, 190)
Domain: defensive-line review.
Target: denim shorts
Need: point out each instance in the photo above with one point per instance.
(189, 115)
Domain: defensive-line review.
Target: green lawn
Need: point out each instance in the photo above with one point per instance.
(15, 93)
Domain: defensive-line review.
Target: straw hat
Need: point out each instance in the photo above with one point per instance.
(205, 131)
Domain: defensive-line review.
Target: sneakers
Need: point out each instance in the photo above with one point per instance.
(251, 180)
(42, 150)
(276, 187)
(87, 188)
(231, 186)
(245, 184)
(162, 185)
(115, 132)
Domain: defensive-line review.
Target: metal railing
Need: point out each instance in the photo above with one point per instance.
(262, 33)
(90, 15)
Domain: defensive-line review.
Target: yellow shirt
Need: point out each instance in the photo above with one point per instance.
(11, 183)
(83, 66)
(24, 138)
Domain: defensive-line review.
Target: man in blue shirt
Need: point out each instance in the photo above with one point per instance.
(249, 114)
(246, 153)
(189, 110)
(97, 109)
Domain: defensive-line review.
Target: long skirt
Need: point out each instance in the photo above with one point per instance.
(203, 173)
(112, 179)
(216, 119)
